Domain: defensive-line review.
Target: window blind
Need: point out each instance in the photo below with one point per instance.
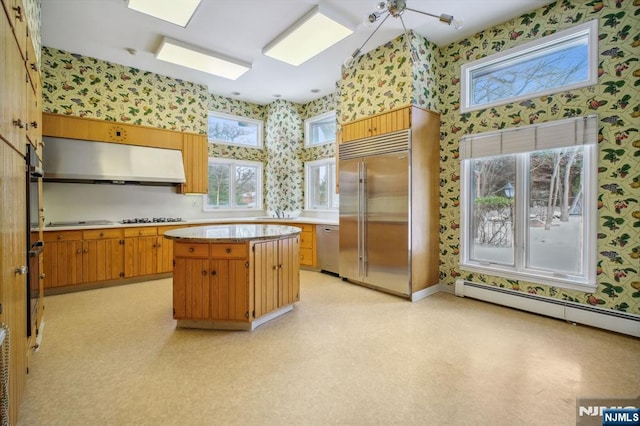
(536, 137)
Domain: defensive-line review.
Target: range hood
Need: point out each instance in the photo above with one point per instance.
(73, 160)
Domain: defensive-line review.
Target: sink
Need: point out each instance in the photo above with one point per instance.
(281, 219)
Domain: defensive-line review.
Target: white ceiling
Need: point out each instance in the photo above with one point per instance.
(105, 29)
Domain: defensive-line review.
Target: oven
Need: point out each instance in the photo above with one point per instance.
(34, 244)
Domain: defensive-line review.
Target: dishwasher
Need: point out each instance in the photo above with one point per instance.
(328, 247)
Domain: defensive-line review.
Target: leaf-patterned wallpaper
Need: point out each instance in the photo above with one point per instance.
(615, 99)
(33, 13)
(89, 87)
(379, 80)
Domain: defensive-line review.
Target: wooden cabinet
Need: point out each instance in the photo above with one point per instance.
(13, 116)
(379, 124)
(140, 251)
(211, 282)
(64, 126)
(276, 275)
(62, 258)
(196, 164)
(102, 255)
(13, 278)
(307, 244)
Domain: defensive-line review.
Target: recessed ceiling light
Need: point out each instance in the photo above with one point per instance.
(307, 37)
(315, 90)
(277, 95)
(235, 93)
(180, 53)
(176, 12)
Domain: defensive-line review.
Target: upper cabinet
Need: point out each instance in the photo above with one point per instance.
(378, 124)
(196, 168)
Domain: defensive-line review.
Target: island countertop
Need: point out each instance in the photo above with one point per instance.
(231, 233)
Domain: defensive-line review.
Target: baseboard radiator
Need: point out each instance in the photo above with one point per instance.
(608, 319)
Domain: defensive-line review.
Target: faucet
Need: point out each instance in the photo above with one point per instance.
(279, 213)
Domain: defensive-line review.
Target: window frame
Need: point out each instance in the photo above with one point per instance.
(332, 196)
(585, 282)
(308, 123)
(258, 123)
(588, 29)
(233, 164)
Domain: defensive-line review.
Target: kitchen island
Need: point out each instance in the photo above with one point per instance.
(234, 277)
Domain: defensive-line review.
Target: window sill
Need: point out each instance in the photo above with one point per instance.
(496, 270)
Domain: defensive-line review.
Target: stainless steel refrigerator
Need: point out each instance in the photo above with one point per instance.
(386, 207)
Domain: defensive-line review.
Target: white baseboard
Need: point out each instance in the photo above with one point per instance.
(608, 319)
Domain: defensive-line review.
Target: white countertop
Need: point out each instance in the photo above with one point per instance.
(231, 233)
(212, 221)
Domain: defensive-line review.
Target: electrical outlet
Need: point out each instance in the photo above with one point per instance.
(194, 203)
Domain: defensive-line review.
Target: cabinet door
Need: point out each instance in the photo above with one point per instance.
(13, 119)
(191, 289)
(378, 124)
(288, 271)
(229, 289)
(13, 278)
(265, 277)
(140, 256)
(63, 263)
(102, 260)
(164, 255)
(196, 164)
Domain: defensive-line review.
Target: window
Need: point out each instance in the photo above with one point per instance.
(320, 179)
(320, 130)
(234, 185)
(234, 130)
(562, 61)
(529, 203)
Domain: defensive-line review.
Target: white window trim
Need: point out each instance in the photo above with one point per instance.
(587, 282)
(307, 129)
(307, 182)
(258, 123)
(258, 197)
(590, 28)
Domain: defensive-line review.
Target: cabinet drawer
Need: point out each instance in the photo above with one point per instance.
(306, 240)
(99, 234)
(62, 236)
(306, 256)
(229, 251)
(140, 232)
(190, 250)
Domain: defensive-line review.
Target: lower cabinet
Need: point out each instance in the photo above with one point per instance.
(211, 282)
(232, 285)
(276, 275)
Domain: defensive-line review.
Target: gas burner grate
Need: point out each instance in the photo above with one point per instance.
(152, 220)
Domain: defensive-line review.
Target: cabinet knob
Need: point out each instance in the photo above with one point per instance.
(34, 124)
(191, 249)
(78, 251)
(275, 267)
(43, 276)
(280, 266)
(204, 273)
(33, 66)
(228, 250)
(85, 251)
(139, 232)
(59, 236)
(19, 124)
(102, 234)
(21, 270)
(213, 272)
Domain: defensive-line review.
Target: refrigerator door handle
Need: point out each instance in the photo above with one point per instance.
(363, 210)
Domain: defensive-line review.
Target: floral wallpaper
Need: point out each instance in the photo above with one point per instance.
(33, 12)
(614, 99)
(379, 80)
(87, 87)
(425, 87)
(284, 169)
